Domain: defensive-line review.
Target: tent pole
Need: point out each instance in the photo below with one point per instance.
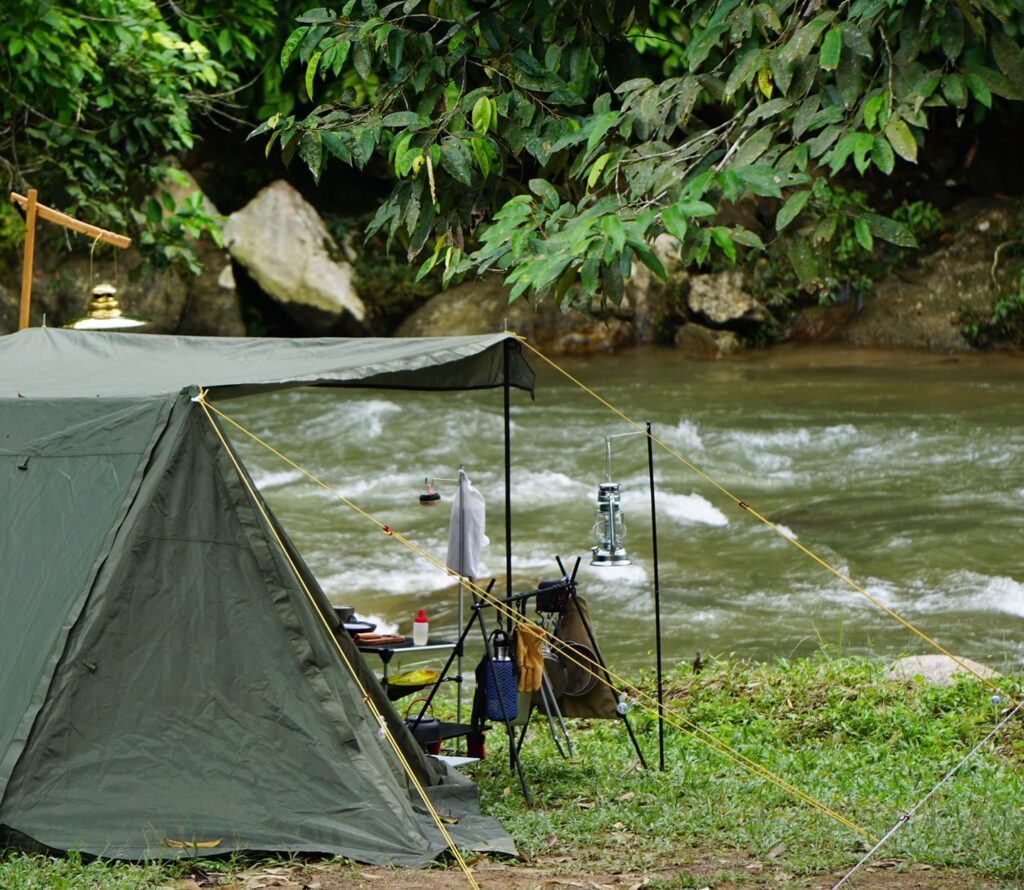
(462, 566)
(26, 269)
(657, 600)
(508, 479)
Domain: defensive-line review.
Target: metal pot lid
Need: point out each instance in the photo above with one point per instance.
(582, 676)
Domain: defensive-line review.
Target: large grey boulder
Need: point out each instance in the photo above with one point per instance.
(698, 341)
(939, 670)
(280, 240)
(481, 306)
(721, 298)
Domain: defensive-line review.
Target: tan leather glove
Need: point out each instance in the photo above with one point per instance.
(529, 658)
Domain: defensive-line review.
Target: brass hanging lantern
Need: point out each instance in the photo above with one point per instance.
(104, 313)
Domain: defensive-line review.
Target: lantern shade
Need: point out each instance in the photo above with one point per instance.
(104, 313)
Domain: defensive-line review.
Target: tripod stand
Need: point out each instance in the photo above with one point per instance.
(556, 598)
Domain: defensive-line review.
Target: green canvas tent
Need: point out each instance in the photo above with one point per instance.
(165, 675)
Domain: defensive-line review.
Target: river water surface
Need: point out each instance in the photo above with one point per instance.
(905, 471)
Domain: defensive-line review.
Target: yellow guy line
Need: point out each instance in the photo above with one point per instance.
(374, 710)
(745, 506)
(589, 665)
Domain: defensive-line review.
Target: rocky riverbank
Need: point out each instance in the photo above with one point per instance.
(280, 271)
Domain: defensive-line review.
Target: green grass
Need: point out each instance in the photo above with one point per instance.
(833, 727)
(31, 872)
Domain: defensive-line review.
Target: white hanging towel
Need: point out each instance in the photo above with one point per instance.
(466, 529)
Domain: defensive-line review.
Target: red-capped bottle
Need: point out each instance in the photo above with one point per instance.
(420, 629)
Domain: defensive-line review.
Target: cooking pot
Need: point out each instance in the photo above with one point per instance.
(344, 613)
(427, 731)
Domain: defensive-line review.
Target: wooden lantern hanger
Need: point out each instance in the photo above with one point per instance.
(33, 209)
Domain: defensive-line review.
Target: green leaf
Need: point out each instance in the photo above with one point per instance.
(481, 115)
(335, 144)
(768, 109)
(674, 222)
(294, 39)
(597, 168)
(872, 108)
(730, 184)
(754, 147)
(546, 192)
(694, 208)
(598, 126)
(901, 139)
(863, 234)
(401, 119)
(490, 30)
(650, 259)
(314, 60)
(316, 16)
(396, 48)
(361, 60)
(455, 158)
(882, 155)
(996, 82)
(767, 18)
(831, 47)
(721, 236)
(760, 180)
(612, 227)
(954, 90)
(311, 151)
(637, 83)
(154, 213)
(951, 32)
(978, 89)
(747, 238)
(791, 209)
(398, 152)
(1007, 54)
(588, 274)
(889, 230)
(743, 70)
(483, 160)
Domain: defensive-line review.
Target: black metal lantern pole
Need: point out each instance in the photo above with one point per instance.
(657, 600)
(508, 476)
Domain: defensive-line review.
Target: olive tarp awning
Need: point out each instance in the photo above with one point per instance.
(164, 676)
(51, 363)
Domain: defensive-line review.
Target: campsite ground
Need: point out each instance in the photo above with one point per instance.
(867, 749)
(692, 869)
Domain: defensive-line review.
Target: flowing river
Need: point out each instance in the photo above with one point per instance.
(904, 471)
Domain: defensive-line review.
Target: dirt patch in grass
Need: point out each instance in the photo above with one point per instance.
(692, 871)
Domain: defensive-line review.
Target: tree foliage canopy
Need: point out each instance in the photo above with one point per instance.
(97, 96)
(555, 140)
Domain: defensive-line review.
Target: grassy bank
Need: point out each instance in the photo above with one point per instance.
(834, 728)
(863, 746)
